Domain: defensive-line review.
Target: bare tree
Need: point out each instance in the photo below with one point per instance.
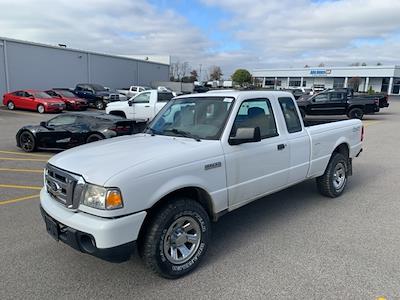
(364, 64)
(321, 65)
(306, 66)
(379, 64)
(355, 64)
(179, 70)
(215, 73)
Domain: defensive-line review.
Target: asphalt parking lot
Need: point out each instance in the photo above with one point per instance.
(294, 244)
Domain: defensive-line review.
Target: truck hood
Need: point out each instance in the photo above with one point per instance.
(117, 104)
(99, 161)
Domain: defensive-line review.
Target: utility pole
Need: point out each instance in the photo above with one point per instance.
(200, 73)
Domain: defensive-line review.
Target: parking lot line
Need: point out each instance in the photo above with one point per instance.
(23, 159)
(19, 199)
(26, 187)
(21, 170)
(25, 154)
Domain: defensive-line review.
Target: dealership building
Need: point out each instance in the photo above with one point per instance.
(28, 65)
(379, 78)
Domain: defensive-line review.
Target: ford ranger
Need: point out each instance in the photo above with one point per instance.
(202, 156)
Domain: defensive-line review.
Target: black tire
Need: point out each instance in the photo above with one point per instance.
(334, 181)
(159, 249)
(99, 104)
(356, 113)
(27, 141)
(94, 138)
(10, 105)
(41, 109)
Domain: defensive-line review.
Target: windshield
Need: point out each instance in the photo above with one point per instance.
(98, 87)
(199, 118)
(42, 95)
(66, 93)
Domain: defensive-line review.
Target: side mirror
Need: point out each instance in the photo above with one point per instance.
(245, 135)
(130, 102)
(43, 124)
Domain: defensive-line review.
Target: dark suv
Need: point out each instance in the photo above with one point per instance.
(96, 94)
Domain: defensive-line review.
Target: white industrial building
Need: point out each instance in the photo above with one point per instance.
(379, 78)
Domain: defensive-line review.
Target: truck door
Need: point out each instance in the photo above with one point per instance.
(142, 108)
(319, 105)
(337, 102)
(256, 169)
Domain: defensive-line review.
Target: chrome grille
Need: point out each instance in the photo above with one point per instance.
(114, 97)
(64, 187)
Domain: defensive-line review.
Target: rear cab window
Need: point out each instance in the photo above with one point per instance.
(292, 118)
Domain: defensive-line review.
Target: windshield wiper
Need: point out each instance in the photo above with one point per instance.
(183, 133)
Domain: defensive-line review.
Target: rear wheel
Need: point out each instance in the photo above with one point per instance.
(10, 105)
(94, 137)
(40, 109)
(27, 141)
(176, 239)
(334, 180)
(100, 104)
(355, 113)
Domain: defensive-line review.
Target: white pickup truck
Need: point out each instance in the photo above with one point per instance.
(132, 90)
(141, 108)
(202, 156)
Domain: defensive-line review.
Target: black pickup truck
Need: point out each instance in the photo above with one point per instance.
(339, 102)
(96, 94)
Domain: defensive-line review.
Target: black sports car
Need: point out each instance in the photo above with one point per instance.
(72, 129)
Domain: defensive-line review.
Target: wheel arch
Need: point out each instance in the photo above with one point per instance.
(195, 193)
(119, 113)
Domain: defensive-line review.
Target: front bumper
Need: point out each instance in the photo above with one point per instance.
(112, 239)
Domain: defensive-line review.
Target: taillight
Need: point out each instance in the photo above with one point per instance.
(362, 133)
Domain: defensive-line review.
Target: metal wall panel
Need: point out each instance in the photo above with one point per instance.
(149, 72)
(3, 87)
(36, 67)
(113, 72)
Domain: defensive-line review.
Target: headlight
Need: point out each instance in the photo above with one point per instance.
(102, 198)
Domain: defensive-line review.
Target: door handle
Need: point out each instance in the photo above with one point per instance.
(147, 105)
(281, 146)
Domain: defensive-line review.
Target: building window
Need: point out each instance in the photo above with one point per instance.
(396, 86)
(304, 83)
(385, 85)
(338, 83)
(269, 81)
(295, 82)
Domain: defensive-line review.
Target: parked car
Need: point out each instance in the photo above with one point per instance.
(96, 94)
(141, 108)
(72, 129)
(202, 156)
(132, 90)
(33, 100)
(299, 91)
(200, 89)
(338, 102)
(71, 101)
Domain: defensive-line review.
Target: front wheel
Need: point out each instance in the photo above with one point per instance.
(27, 141)
(100, 104)
(334, 180)
(176, 239)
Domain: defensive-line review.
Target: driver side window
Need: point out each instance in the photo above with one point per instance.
(321, 98)
(256, 113)
(142, 98)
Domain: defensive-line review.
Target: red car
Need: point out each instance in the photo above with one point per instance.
(33, 100)
(72, 101)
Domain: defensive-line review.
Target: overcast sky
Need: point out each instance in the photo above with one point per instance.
(229, 33)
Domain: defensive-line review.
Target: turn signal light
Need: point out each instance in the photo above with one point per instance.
(114, 199)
